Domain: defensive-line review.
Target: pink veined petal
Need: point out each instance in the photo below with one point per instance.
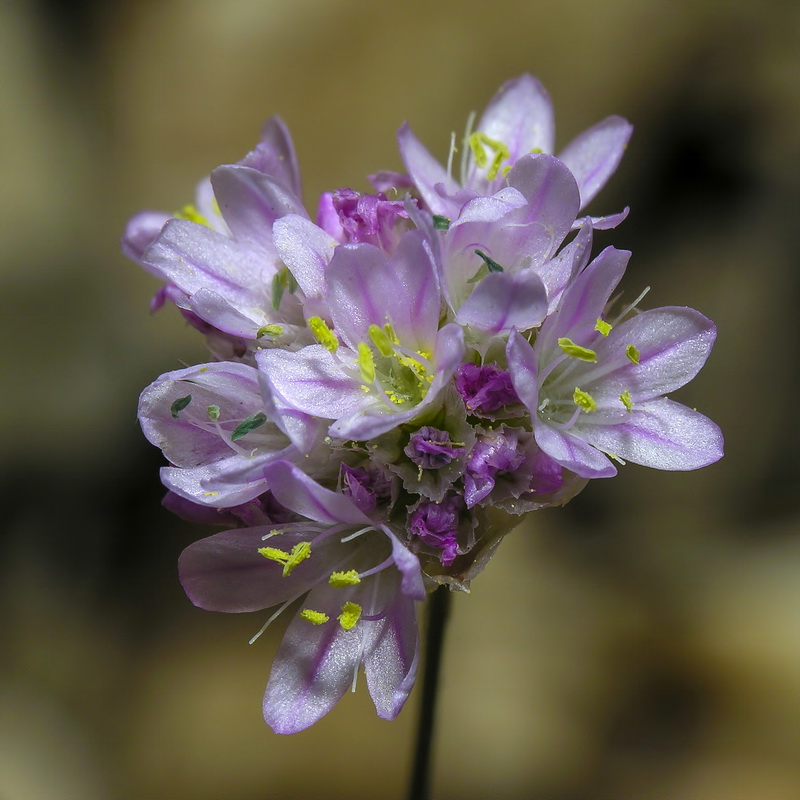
(275, 156)
(224, 483)
(392, 651)
(605, 223)
(572, 452)
(502, 301)
(225, 572)
(673, 343)
(426, 172)
(140, 233)
(303, 495)
(594, 155)
(315, 664)
(552, 200)
(364, 288)
(187, 437)
(251, 201)
(217, 311)
(557, 273)
(520, 115)
(660, 434)
(583, 301)
(523, 369)
(306, 250)
(312, 381)
(194, 257)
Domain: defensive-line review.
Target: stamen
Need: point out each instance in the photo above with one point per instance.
(625, 397)
(366, 363)
(478, 143)
(584, 400)
(465, 149)
(273, 618)
(576, 351)
(451, 153)
(178, 405)
(323, 334)
(632, 353)
(381, 340)
(633, 305)
(602, 327)
(341, 579)
(269, 330)
(300, 552)
(351, 613)
(314, 617)
(190, 212)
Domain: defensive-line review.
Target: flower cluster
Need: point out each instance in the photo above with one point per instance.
(396, 381)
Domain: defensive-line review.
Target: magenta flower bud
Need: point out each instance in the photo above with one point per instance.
(485, 389)
(431, 448)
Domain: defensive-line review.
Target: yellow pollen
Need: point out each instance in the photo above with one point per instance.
(584, 400)
(626, 400)
(269, 330)
(576, 351)
(323, 334)
(479, 142)
(351, 614)
(632, 353)
(342, 579)
(366, 363)
(300, 552)
(314, 617)
(191, 213)
(380, 338)
(602, 327)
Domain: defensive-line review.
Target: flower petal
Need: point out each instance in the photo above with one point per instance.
(225, 572)
(594, 155)
(572, 452)
(314, 666)
(251, 201)
(312, 381)
(303, 495)
(392, 651)
(661, 434)
(306, 250)
(502, 301)
(426, 172)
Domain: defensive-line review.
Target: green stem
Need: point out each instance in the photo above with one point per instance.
(439, 605)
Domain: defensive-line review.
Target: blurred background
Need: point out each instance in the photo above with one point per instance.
(642, 643)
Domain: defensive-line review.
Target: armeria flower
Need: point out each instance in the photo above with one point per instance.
(517, 121)
(385, 358)
(218, 432)
(218, 258)
(594, 385)
(359, 585)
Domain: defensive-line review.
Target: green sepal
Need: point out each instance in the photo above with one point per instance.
(441, 223)
(490, 262)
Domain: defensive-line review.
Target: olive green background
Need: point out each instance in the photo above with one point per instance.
(641, 644)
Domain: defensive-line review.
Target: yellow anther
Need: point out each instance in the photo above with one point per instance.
(342, 579)
(366, 363)
(602, 327)
(626, 400)
(300, 552)
(380, 338)
(479, 142)
(269, 330)
(351, 614)
(632, 353)
(323, 334)
(576, 351)
(387, 326)
(314, 617)
(584, 400)
(191, 213)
